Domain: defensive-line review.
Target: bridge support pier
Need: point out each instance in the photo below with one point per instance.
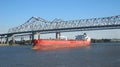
(32, 36)
(13, 40)
(38, 35)
(7, 40)
(1, 40)
(22, 38)
(58, 35)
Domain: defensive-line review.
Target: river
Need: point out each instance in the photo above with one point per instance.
(96, 55)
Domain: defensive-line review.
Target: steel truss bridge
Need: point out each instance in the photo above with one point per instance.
(37, 24)
(40, 25)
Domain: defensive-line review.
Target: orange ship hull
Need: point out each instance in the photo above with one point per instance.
(47, 44)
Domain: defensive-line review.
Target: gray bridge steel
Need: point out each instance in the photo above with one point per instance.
(37, 24)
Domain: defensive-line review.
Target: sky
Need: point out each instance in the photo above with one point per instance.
(16, 12)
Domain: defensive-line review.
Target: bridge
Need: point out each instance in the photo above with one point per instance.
(38, 25)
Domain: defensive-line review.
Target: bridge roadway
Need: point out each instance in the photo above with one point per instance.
(37, 25)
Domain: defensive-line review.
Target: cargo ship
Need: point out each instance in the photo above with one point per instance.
(48, 44)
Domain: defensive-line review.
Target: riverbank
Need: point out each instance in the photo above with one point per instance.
(29, 42)
(105, 40)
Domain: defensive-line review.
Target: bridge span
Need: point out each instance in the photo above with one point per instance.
(37, 25)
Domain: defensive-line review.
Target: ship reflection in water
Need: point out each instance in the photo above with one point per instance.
(96, 55)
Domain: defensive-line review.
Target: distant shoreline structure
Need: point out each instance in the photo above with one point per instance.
(105, 40)
(28, 42)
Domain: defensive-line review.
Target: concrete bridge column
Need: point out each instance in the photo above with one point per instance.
(7, 40)
(38, 35)
(58, 35)
(22, 38)
(13, 39)
(32, 36)
(1, 40)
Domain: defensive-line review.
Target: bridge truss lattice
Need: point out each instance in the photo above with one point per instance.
(37, 23)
